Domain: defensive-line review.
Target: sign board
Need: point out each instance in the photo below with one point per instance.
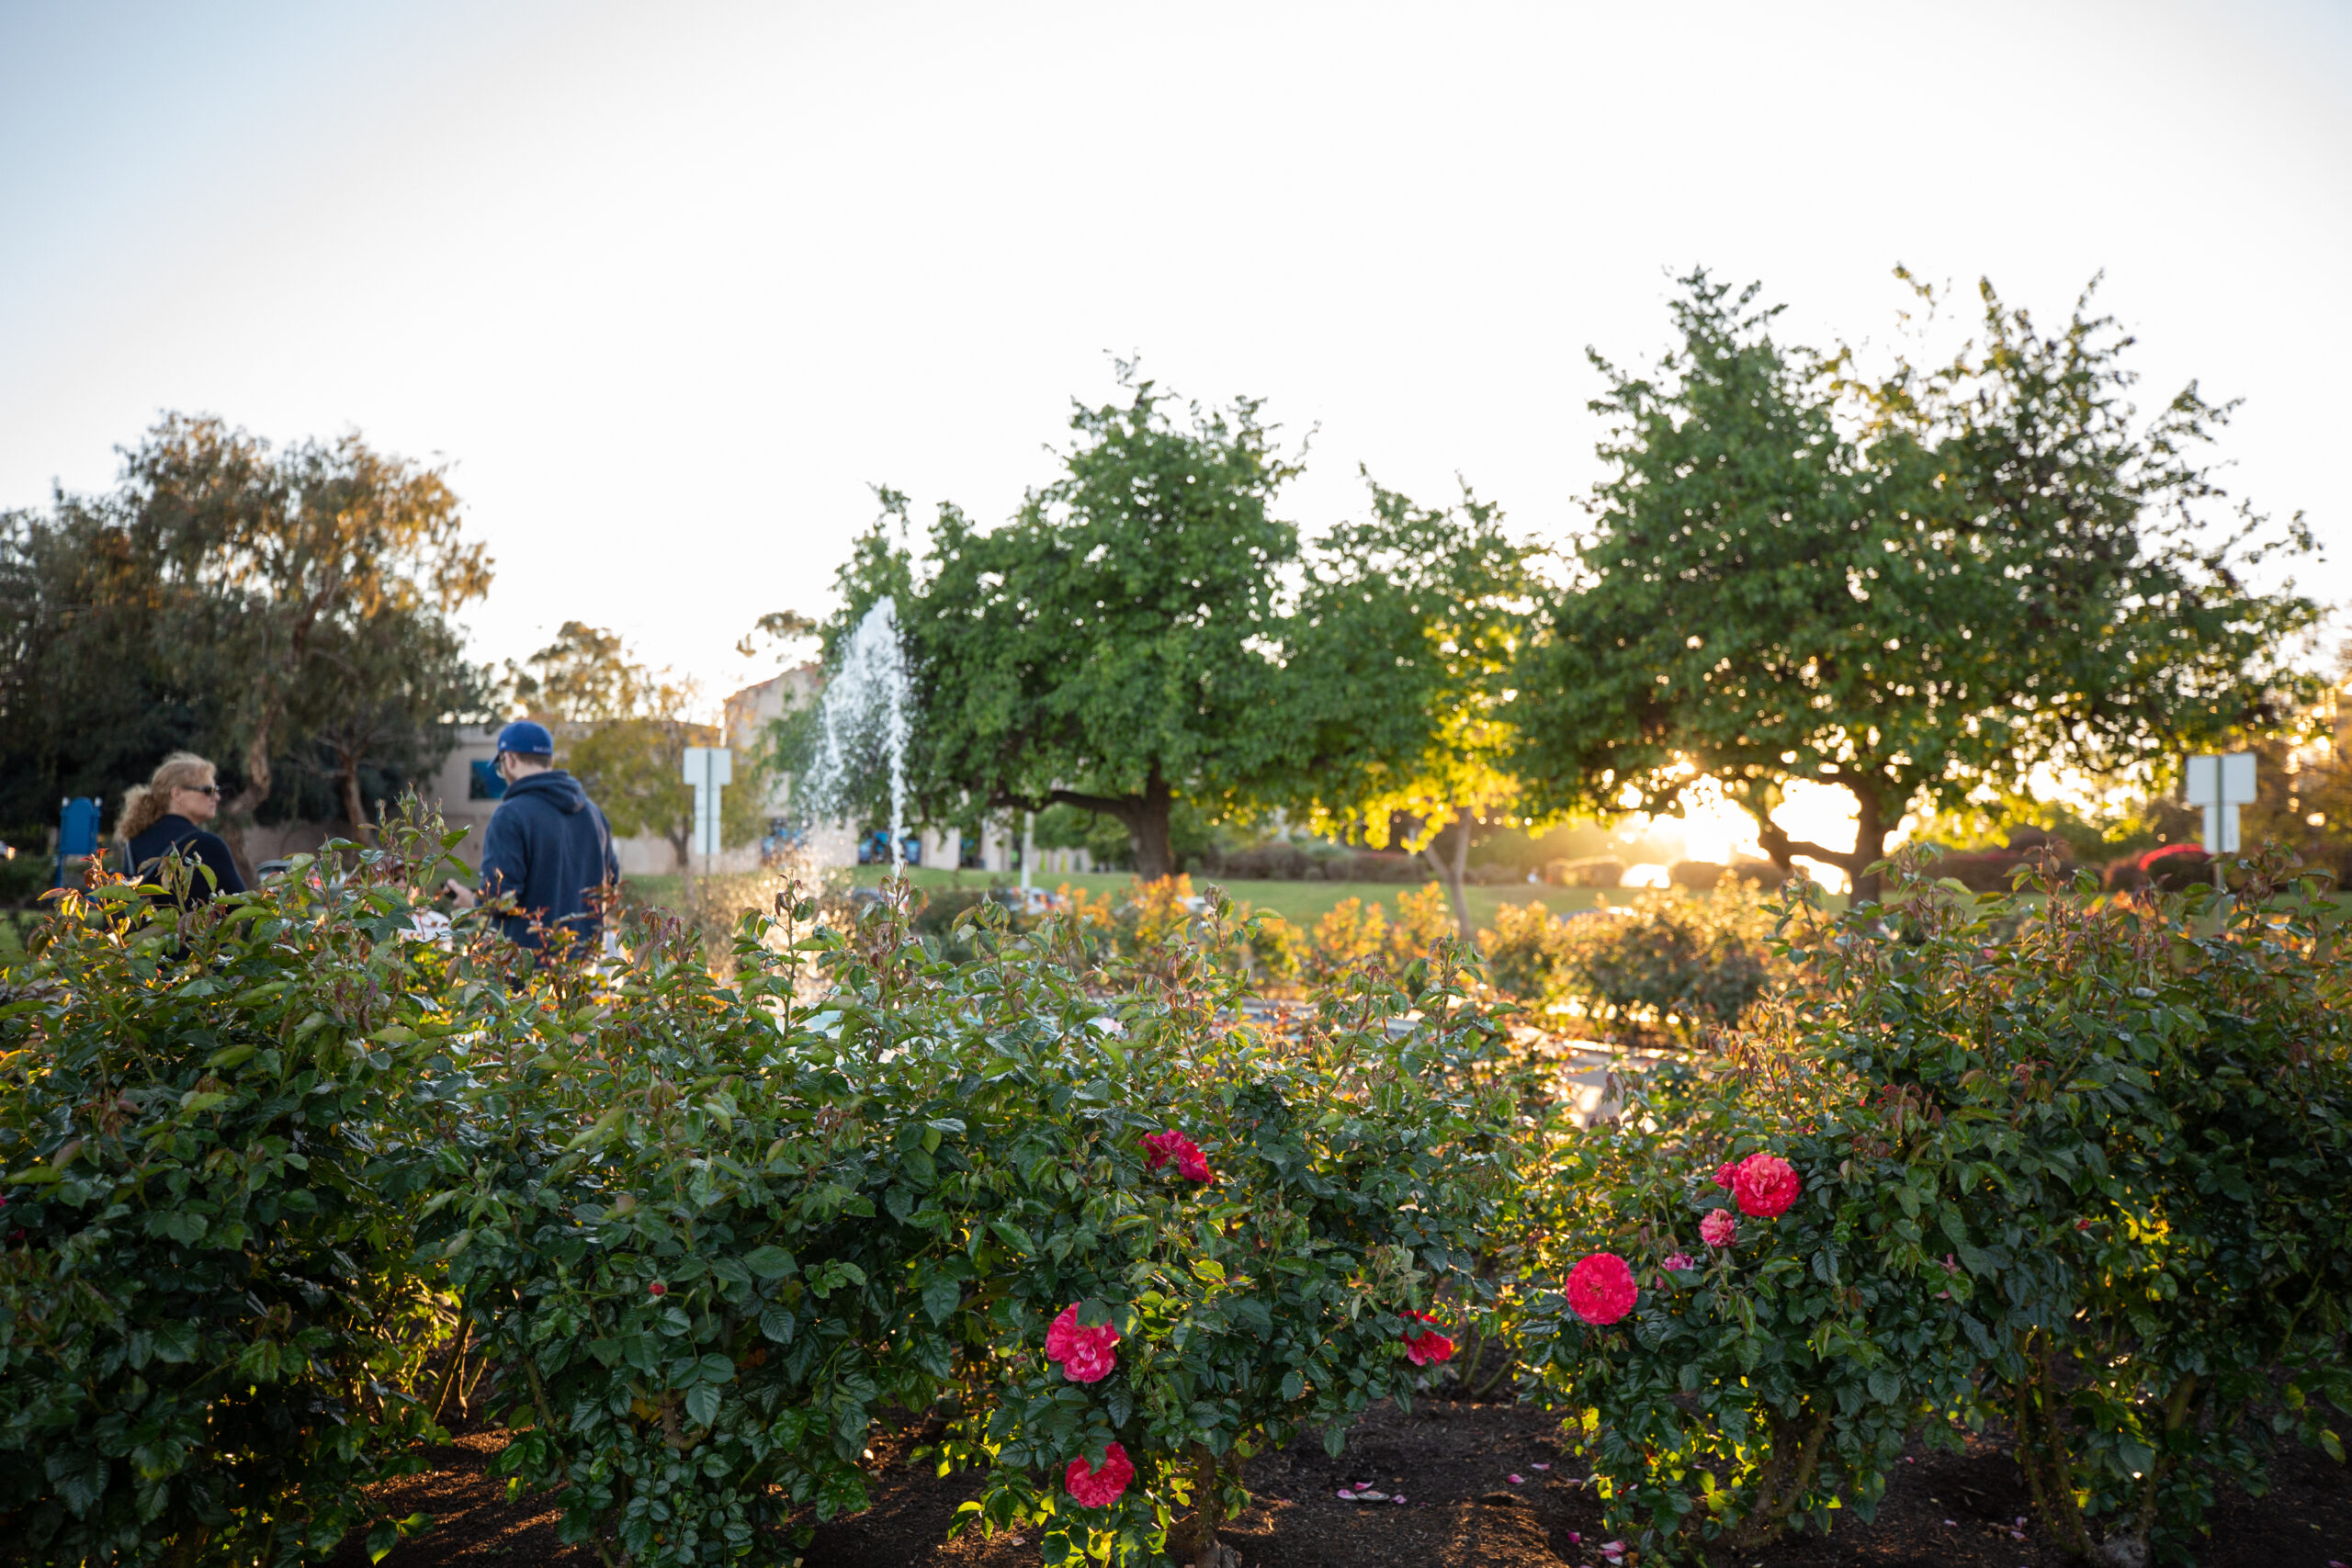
(2222, 784)
(710, 769)
(78, 831)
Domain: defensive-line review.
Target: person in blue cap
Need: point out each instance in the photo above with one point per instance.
(548, 845)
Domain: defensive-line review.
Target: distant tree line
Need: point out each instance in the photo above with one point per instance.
(290, 613)
(1926, 587)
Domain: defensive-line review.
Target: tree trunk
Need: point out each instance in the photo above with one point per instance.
(1144, 816)
(352, 807)
(236, 812)
(1871, 829)
(1147, 824)
(1449, 854)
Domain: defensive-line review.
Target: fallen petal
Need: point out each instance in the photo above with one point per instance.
(1543, 1467)
(1519, 1480)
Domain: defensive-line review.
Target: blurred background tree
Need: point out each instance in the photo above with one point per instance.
(1397, 677)
(622, 729)
(1917, 589)
(240, 602)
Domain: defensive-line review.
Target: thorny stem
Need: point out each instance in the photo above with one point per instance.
(2042, 1446)
(1205, 1489)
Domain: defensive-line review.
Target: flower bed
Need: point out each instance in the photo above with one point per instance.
(282, 1176)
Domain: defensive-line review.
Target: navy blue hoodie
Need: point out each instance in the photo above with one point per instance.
(549, 846)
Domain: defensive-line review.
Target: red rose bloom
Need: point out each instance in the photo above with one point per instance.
(1601, 1288)
(1764, 1185)
(1092, 1486)
(1725, 1172)
(1191, 1164)
(1427, 1346)
(1084, 1354)
(657, 1289)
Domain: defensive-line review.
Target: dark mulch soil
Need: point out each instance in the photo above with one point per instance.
(1453, 1464)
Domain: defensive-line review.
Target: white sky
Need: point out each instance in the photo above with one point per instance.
(670, 286)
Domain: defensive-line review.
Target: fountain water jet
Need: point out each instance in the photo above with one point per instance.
(863, 720)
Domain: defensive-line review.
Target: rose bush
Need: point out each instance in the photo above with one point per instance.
(2151, 1107)
(2067, 1167)
(1356, 1159)
(215, 1125)
(1772, 1377)
(705, 1232)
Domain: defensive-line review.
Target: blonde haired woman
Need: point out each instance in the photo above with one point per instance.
(164, 816)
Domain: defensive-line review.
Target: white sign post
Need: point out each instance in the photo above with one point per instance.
(709, 769)
(2222, 784)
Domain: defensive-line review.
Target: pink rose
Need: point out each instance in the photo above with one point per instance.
(1764, 1185)
(1680, 1260)
(1428, 1346)
(1718, 1229)
(1724, 1174)
(1098, 1487)
(1084, 1354)
(1191, 1164)
(1601, 1288)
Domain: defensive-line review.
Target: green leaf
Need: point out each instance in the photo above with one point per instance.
(769, 1262)
(701, 1404)
(941, 1296)
(178, 1224)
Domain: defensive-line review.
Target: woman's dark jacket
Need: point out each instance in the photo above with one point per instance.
(175, 832)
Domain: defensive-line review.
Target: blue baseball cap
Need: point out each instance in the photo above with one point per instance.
(526, 739)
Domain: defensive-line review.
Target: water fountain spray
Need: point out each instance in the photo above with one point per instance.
(864, 717)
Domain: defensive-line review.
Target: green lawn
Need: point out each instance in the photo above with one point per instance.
(1301, 902)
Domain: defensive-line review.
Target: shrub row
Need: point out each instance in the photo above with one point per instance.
(2076, 1173)
(280, 1173)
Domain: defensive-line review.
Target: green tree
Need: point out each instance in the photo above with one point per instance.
(94, 685)
(301, 549)
(1399, 664)
(383, 715)
(622, 729)
(1915, 588)
(253, 605)
(1109, 648)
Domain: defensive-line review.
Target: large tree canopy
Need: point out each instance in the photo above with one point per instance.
(1397, 681)
(264, 607)
(1913, 589)
(1113, 645)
